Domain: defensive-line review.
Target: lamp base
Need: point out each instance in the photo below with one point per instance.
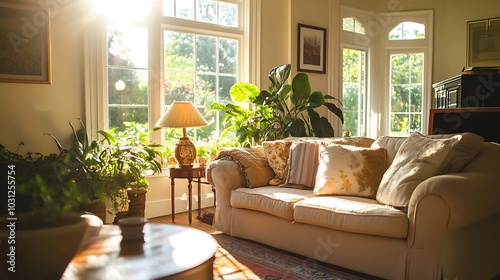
(185, 152)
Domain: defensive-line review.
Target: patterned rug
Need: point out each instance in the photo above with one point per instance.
(238, 259)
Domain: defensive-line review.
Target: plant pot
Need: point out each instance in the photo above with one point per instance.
(42, 253)
(137, 204)
(97, 208)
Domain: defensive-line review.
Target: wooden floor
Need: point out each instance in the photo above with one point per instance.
(182, 219)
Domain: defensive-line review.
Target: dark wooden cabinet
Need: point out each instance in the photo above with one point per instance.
(469, 89)
(469, 102)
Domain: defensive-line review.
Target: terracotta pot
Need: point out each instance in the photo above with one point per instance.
(44, 253)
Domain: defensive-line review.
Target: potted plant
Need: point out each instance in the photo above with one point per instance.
(41, 215)
(281, 111)
(123, 164)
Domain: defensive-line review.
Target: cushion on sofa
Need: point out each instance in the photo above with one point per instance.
(467, 148)
(349, 170)
(272, 200)
(278, 151)
(253, 163)
(352, 214)
(417, 159)
(302, 165)
(277, 155)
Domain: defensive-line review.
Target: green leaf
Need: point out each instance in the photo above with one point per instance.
(241, 91)
(283, 92)
(320, 125)
(297, 128)
(316, 99)
(301, 88)
(262, 97)
(335, 110)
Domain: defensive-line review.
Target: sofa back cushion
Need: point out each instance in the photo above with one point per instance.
(468, 146)
(349, 170)
(417, 159)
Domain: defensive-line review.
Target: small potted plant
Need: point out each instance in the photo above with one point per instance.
(123, 164)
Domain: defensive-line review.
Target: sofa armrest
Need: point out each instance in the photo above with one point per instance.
(225, 176)
(441, 206)
(469, 197)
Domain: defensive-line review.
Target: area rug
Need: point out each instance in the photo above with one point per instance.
(238, 259)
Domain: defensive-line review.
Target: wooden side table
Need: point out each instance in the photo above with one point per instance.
(189, 174)
(168, 252)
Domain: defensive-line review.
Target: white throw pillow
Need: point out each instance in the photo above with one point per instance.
(349, 170)
(417, 159)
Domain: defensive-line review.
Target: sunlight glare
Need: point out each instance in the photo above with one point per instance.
(123, 9)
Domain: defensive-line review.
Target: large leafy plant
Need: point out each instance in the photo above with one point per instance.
(282, 111)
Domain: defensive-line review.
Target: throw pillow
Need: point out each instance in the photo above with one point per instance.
(468, 146)
(349, 170)
(253, 163)
(277, 155)
(417, 159)
(302, 165)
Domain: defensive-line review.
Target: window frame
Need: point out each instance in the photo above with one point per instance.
(424, 46)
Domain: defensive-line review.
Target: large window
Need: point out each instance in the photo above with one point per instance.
(169, 50)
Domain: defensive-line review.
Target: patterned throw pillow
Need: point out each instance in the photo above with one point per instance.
(349, 170)
(302, 165)
(417, 159)
(277, 155)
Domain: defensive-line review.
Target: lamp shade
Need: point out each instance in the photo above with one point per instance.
(181, 114)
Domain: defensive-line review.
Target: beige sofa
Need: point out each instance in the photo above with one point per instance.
(449, 230)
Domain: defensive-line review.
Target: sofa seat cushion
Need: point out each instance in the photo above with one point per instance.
(272, 200)
(352, 214)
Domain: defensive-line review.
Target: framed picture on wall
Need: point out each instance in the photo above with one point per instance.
(311, 49)
(483, 43)
(25, 54)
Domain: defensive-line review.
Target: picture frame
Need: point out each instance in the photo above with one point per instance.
(25, 43)
(311, 49)
(483, 43)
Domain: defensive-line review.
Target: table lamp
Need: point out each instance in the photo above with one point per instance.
(183, 114)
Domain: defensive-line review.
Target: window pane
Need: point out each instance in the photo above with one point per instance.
(205, 93)
(228, 48)
(127, 46)
(119, 115)
(206, 54)
(408, 31)
(184, 9)
(206, 11)
(399, 98)
(228, 14)
(406, 100)
(225, 84)
(179, 86)
(352, 25)
(179, 51)
(353, 92)
(127, 86)
(168, 8)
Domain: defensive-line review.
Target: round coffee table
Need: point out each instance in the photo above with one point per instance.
(168, 252)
